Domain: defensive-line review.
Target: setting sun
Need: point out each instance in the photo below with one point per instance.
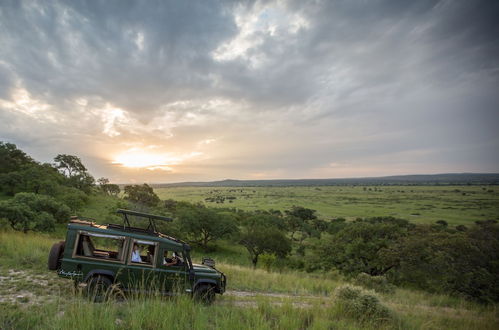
(145, 160)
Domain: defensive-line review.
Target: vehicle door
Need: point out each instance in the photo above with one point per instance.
(172, 274)
(140, 272)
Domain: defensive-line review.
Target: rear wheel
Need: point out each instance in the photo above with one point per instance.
(205, 293)
(98, 288)
(55, 255)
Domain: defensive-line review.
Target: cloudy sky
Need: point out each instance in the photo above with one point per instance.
(168, 91)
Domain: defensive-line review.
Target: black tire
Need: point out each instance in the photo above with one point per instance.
(98, 288)
(55, 255)
(205, 293)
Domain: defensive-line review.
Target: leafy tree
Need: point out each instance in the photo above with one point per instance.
(102, 181)
(108, 188)
(11, 183)
(141, 194)
(41, 179)
(203, 225)
(456, 262)
(22, 217)
(261, 235)
(75, 172)
(32, 177)
(302, 213)
(11, 158)
(261, 239)
(43, 203)
(28, 211)
(357, 246)
(69, 165)
(302, 224)
(74, 198)
(170, 205)
(113, 189)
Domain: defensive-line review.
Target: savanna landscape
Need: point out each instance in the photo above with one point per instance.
(288, 265)
(458, 205)
(249, 164)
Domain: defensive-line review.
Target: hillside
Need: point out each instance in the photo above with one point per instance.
(417, 179)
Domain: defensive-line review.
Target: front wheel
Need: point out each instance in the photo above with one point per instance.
(205, 293)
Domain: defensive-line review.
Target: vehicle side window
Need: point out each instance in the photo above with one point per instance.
(100, 246)
(172, 258)
(143, 252)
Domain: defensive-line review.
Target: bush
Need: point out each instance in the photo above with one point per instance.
(360, 304)
(75, 199)
(268, 260)
(461, 263)
(28, 211)
(42, 203)
(377, 283)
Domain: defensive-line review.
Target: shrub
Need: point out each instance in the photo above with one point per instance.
(28, 211)
(360, 304)
(376, 283)
(268, 260)
(75, 199)
(42, 203)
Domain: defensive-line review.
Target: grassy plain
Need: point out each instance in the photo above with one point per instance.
(32, 297)
(422, 204)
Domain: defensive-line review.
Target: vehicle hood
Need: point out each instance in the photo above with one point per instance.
(203, 269)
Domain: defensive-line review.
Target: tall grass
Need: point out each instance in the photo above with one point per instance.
(183, 313)
(306, 302)
(291, 282)
(19, 250)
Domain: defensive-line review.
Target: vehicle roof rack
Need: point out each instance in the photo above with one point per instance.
(151, 217)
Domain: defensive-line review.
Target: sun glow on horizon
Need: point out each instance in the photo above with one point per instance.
(138, 159)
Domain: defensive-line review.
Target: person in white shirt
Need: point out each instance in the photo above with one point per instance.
(136, 254)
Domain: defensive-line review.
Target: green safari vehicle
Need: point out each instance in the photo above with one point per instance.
(105, 259)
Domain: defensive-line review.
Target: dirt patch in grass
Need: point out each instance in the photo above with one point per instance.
(25, 287)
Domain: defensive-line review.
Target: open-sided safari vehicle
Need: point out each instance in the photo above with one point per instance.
(108, 258)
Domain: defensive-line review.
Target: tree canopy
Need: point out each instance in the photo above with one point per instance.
(141, 194)
(203, 225)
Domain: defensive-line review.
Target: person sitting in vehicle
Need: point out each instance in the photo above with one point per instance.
(136, 254)
(170, 261)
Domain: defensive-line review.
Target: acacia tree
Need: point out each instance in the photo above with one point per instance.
(203, 225)
(102, 181)
(259, 235)
(141, 194)
(69, 165)
(113, 189)
(108, 188)
(75, 172)
(302, 223)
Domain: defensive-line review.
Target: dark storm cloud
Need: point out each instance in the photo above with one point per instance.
(327, 82)
(135, 54)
